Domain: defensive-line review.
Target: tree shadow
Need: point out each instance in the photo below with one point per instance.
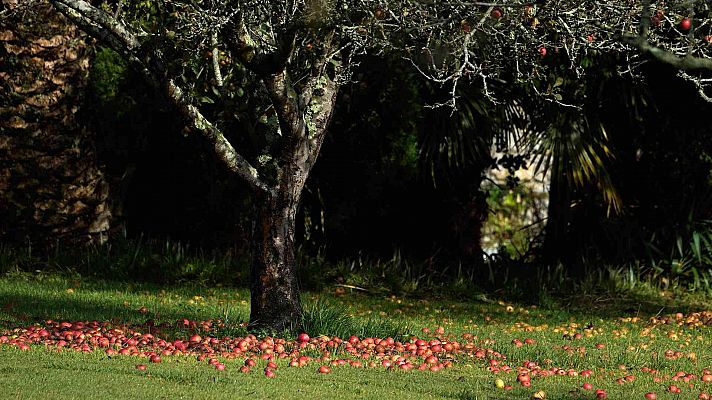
(26, 303)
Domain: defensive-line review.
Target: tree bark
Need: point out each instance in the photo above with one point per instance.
(52, 185)
(557, 244)
(275, 302)
(274, 286)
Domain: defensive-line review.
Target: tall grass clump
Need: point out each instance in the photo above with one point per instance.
(323, 318)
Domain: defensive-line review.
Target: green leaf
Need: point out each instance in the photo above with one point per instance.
(696, 248)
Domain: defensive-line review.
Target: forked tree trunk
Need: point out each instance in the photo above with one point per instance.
(303, 115)
(275, 302)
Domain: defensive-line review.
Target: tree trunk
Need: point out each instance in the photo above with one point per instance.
(52, 186)
(275, 302)
(274, 288)
(556, 247)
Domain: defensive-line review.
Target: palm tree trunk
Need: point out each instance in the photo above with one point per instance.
(52, 187)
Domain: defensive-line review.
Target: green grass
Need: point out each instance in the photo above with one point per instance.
(41, 374)
(27, 298)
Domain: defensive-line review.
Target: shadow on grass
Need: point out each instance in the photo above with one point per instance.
(26, 301)
(30, 298)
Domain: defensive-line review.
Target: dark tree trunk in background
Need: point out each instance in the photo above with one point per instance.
(51, 185)
(557, 243)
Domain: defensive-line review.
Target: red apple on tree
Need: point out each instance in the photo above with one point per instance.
(379, 13)
(685, 24)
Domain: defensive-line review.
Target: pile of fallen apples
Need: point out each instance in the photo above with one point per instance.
(89, 336)
(323, 352)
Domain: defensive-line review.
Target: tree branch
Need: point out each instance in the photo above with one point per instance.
(321, 115)
(323, 58)
(687, 63)
(286, 104)
(221, 146)
(241, 43)
(109, 25)
(216, 59)
(93, 29)
(105, 27)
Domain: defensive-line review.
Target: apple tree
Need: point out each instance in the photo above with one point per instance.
(295, 54)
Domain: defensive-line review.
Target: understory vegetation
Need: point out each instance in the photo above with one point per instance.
(687, 270)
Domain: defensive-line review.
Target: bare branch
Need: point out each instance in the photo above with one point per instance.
(321, 116)
(105, 27)
(686, 63)
(104, 21)
(286, 103)
(221, 146)
(95, 30)
(700, 85)
(216, 60)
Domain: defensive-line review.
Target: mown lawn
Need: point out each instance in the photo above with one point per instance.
(618, 338)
